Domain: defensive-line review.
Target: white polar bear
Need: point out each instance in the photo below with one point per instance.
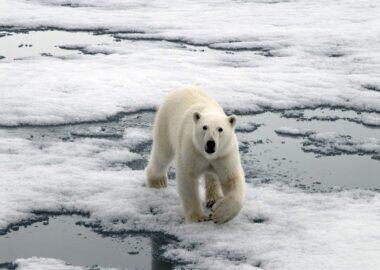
(193, 128)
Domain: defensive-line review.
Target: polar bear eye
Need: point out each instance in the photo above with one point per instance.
(204, 127)
(220, 129)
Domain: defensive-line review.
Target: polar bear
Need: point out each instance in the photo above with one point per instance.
(193, 129)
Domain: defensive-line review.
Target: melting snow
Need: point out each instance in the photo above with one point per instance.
(279, 228)
(293, 131)
(251, 56)
(47, 263)
(332, 143)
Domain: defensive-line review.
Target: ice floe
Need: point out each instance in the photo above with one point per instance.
(332, 143)
(251, 56)
(279, 228)
(35, 263)
(365, 118)
(267, 55)
(293, 131)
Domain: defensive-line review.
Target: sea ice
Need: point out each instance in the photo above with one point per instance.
(279, 228)
(35, 263)
(251, 56)
(293, 131)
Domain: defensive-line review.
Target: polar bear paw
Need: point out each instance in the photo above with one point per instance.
(199, 217)
(225, 209)
(161, 182)
(211, 201)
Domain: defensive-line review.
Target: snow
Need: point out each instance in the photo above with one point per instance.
(371, 120)
(35, 263)
(135, 136)
(333, 143)
(85, 88)
(280, 227)
(44, 263)
(293, 131)
(251, 56)
(245, 127)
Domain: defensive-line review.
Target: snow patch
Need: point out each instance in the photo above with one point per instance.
(35, 263)
(288, 131)
(331, 143)
(370, 120)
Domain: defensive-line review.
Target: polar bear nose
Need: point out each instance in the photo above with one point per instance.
(210, 147)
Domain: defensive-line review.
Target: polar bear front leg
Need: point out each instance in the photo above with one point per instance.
(188, 190)
(156, 171)
(233, 184)
(213, 189)
(230, 205)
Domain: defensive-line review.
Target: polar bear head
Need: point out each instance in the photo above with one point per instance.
(213, 133)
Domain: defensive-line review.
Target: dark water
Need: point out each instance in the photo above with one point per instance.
(266, 155)
(282, 158)
(61, 237)
(45, 43)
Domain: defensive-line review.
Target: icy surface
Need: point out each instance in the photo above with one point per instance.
(69, 238)
(332, 143)
(279, 228)
(47, 263)
(251, 56)
(371, 120)
(293, 131)
(367, 119)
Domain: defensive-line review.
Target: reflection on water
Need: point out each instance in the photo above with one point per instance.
(61, 238)
(269, 156)
(266, 155)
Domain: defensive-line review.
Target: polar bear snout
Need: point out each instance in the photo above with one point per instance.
(210, 147)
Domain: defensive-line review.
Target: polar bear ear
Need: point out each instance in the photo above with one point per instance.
(196, 116)
(232, 120)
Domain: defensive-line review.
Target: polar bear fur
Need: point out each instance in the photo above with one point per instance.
(185, 124)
